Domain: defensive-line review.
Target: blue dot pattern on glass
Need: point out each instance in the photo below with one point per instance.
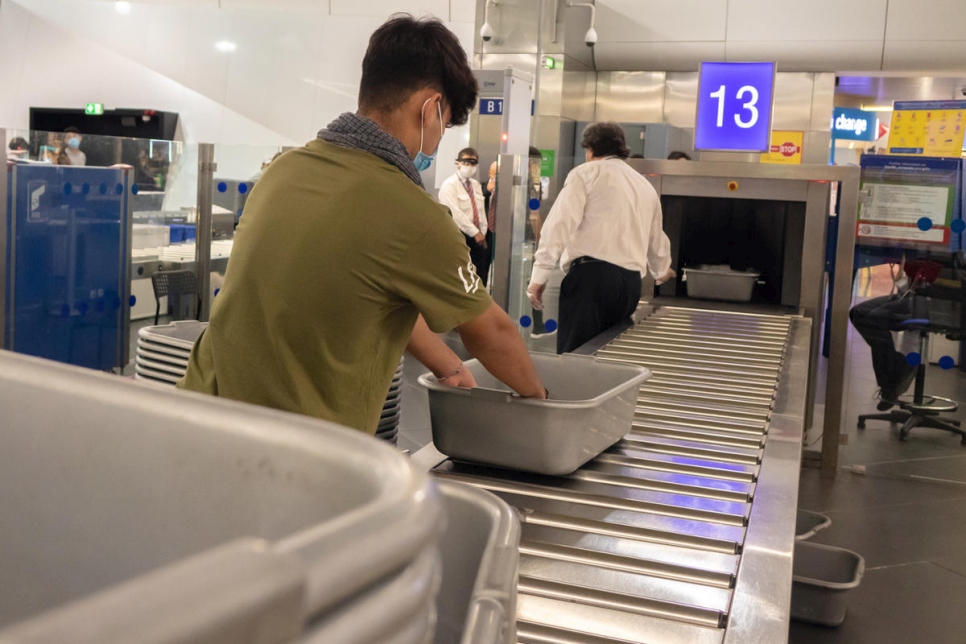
(131, 301)
(102, 189)
(116, 304)
(68, 188)
(222, 186)
(550, 326)
(134, 189)
(217, 291)
(242, 188)
(924, 223)
(947, 362)
(958, 226)
(534, 204)
(119, 189)
(86, 189)
(83, 308)
(913, 359)
(525, 321)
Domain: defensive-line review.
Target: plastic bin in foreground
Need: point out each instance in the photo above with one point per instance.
(138, 514)
(591, 407)
(808, 524)
(821, 580)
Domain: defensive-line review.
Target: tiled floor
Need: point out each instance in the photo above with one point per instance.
(906, 515)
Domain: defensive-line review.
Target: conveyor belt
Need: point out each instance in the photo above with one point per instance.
(647, 542)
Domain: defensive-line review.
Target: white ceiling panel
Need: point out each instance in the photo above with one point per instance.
(660, 20)
(815, 20)
(926, 20)
(385, 8)
(656, 57)
(798, 56)
(925, 55)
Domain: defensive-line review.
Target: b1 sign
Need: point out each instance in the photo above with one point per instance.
(734, 107)
(854, 125)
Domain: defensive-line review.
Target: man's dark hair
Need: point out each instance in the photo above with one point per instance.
(404, 56)
(71, 130)
(534, 152)
(677, 155)
(605, 139)
(18, 143)
(468, 152)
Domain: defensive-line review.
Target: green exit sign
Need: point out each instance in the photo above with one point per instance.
(94, 109)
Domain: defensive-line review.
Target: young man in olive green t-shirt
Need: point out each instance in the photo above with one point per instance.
(341, 260)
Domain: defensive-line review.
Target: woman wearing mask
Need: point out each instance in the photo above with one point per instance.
(69, 153)
(463, 195)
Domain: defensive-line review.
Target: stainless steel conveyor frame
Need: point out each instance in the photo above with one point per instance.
(684, 530)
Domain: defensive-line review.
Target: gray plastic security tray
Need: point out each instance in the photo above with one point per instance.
(591, 407)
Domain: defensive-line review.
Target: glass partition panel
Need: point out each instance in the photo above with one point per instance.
(907, 306)
(67, 251)
(521, 215)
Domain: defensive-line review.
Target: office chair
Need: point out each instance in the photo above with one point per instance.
(174, 284)
(946, 316)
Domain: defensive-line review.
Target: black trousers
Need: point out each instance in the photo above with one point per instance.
(594, 296)
(480, 257)
(875, 319)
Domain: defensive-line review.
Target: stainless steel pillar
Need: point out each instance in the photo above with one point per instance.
(506, 182)
(206, 173)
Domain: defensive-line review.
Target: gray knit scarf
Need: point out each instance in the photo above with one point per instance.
(360, 133)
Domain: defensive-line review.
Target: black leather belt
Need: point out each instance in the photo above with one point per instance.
(583, 260)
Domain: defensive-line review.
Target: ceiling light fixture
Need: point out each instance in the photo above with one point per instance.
(877, 108)
(225, 45)
(122, 7)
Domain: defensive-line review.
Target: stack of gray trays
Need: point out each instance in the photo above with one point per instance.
(388, 429)
(163, 351)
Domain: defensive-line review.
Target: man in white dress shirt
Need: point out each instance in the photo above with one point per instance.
(463, 195)
(605, 230)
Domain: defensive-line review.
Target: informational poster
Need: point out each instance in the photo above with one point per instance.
(786, 148)
(908, 202)
(928, 128)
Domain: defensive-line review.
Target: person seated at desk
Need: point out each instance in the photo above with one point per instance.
(875, 320)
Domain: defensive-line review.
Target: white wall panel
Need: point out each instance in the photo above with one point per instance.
(927, 20)
(661, 20)
(664, 56)
(206, 70)
(815, 20)
(799, 56)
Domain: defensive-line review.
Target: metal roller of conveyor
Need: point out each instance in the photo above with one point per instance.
(682, 531)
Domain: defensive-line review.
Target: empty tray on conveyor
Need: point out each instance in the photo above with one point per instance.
(591, 407)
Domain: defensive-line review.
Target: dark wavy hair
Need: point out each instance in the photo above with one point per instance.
(406, 55)
(605, 139)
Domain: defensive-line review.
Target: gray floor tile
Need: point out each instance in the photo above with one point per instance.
(916, 603)
(888, 535)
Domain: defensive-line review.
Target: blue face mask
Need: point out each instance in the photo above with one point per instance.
(73, 142)
(423, 161)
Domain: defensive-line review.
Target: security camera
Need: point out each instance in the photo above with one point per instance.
(590, 38)
(486, 33)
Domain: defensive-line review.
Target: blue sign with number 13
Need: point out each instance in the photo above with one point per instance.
(734, 107)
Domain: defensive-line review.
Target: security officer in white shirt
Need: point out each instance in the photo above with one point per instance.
(605, 230)
(463, 195)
